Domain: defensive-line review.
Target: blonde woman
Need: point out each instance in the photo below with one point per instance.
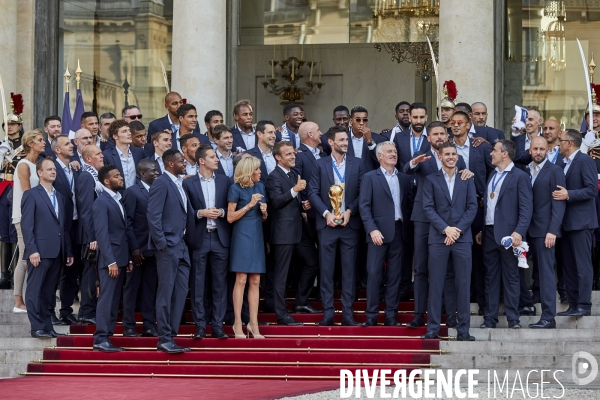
(247, 210)
(26, 177)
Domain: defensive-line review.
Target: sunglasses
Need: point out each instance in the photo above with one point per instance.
(457, 123)
(359, 120)
(139, 116)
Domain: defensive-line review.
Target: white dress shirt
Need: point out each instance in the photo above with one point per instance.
(53, 200)
(128, 165)
(450, 181)
(269, 160)
(160, 162)
(116, 197)
(175, 131)
(535, 170)
(71, 178)
(208, 190)
(464, 150)
(146, 186)
(190, 169)
(179, 183)
(226, 163)
(491, 203)
(248, 138)
(314, 151)
(416, 143)
(357, 143)
(394, 184)
(553, 154)
(569, 160)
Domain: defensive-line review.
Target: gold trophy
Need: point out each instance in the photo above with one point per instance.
(336, 195)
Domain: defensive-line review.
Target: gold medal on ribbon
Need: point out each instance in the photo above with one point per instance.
(492, 195)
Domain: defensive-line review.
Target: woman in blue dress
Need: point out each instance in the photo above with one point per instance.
(247, 210)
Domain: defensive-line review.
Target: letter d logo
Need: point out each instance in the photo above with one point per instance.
(583, 363)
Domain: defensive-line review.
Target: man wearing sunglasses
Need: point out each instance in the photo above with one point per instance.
(131, 113)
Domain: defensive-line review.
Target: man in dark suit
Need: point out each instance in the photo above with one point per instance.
(66, 176)
(545, 226)
(508, 208)
(533, 128)
(170, 219)
(52, 128)
(384, 203)
(287, 231)
(87, 188)
(477, 159)
(169, 122)
(113, 234)
(338, 168)
(414, 139)
(161, 142)
(293, 114)
(207, 192)
(266, 137)
(124, 156)
(189, 145)
(47, 245)
(82, 138)
(105, 120)
(143, 276)
(487, 133)
(422, 165)
(188, 122)
(402, 115)
(244, 136)
(450, 204)
(89, 121)
(579, 223)
(138, 136)
(223, 138)
(341, 116)
(212, 119)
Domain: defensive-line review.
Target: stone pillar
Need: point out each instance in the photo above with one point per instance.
(8, 48)
(467, 50)
(199, 63)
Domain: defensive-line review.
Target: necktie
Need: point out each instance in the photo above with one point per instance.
(290, 175)
(54, 203)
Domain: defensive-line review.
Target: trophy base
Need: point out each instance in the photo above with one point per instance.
(338, 221)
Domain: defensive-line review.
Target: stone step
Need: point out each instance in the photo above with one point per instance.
(9, 318)
(591, 322)
(28, 343)
(12, 370)
(559, 307)
(24, 330)
(20, 356)
(501, 361)
(557, 348)
(531, 335)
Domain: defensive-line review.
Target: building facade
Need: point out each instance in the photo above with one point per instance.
(368, 52)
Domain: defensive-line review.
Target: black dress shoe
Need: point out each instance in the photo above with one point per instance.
(200, 332)
(349, 321)
(544, 324)
(107, 347)
(391, 322)
(451, 322)
(56, 321)
(514, 324)
(41, 334)
(480, 311)
(566, 312)
(527, 310)
(218, 333)
(326, 322)
(430, 335)
(55, 334)
(307, 309)
(563, 299)
(580, 312)
(417, 321)
(370, 322)
(289, 321)
(465, 338)
(150, 333)
(170, 347)
(488, 323)
(69, 319)
(87, 321)
(130, 333)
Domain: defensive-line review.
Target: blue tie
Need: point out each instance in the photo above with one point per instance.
(54, 202)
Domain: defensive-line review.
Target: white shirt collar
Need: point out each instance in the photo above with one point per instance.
(156, 157)
(572, 156)
(116, 196)
(204, 179)
(146, 186)
(385, 173)
(466, 145)
(509, 168)
(121, 153)
(171, 121)
(220, 155)
(531, 164)
(284, 170)
(174, 178)
(62, 164)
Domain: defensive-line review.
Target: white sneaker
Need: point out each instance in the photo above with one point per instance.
(17, 310)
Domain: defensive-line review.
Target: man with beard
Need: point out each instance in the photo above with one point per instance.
(89, 121)
(189, 145)
(212, 119)
(545, 227)
(244, 136)
(188, 123)
(52, 127)
(412, 140)
(294, 116)
(265, 132)
(403, 117)
(533, 127)
(422, 165)
(341, 116)
(169, 122)
(105, 120)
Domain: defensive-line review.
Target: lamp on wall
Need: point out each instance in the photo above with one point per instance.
(290, 70)
(553, 37)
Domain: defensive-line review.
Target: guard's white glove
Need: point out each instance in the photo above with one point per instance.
(4, 147)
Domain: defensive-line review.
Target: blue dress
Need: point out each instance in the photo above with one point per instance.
(247, 244)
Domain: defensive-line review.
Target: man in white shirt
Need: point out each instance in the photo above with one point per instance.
(161, 141)
(224, 140)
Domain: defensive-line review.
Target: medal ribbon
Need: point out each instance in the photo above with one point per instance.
(337, 172)
(496, 182)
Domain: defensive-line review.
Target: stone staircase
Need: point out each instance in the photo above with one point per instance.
(509, 351)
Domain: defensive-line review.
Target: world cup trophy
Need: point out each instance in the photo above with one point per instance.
(336, 195)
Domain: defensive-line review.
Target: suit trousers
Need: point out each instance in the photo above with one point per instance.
(330, 239)
(173, 271)
(502, 268)
(543, 261)
(69, 287)
(577, 267)
(214, 257)
(406, 275)
(439, 260)
(87, 301)
(525, 299)
(41, 291)
(108, 304)
(142, 280)
(421, 286)
(392, 254)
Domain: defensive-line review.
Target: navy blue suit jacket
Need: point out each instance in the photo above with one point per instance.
(376, 205)
(162, 124)
(48, 151)
(168, 221)
(322, 179)
(548, 213)
(85, 194)
(43, 231)
(135, 202)
(514, 207)
(480, 163)
(305, 162)
(255, 151)
(490, 134)
(193, 188)
(443, 211)
(403, 147)
(61, 184)
(422, 170)
(582, 185)
(285, 210)
(368, 158)
(111, 156)
(151, 158)
(112, 232)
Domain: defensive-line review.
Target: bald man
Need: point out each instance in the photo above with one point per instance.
(533, 128)
(82, 138)
(169, 122)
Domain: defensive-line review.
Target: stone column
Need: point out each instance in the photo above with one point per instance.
(8, 48)
(467, 50)
(199, 63)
